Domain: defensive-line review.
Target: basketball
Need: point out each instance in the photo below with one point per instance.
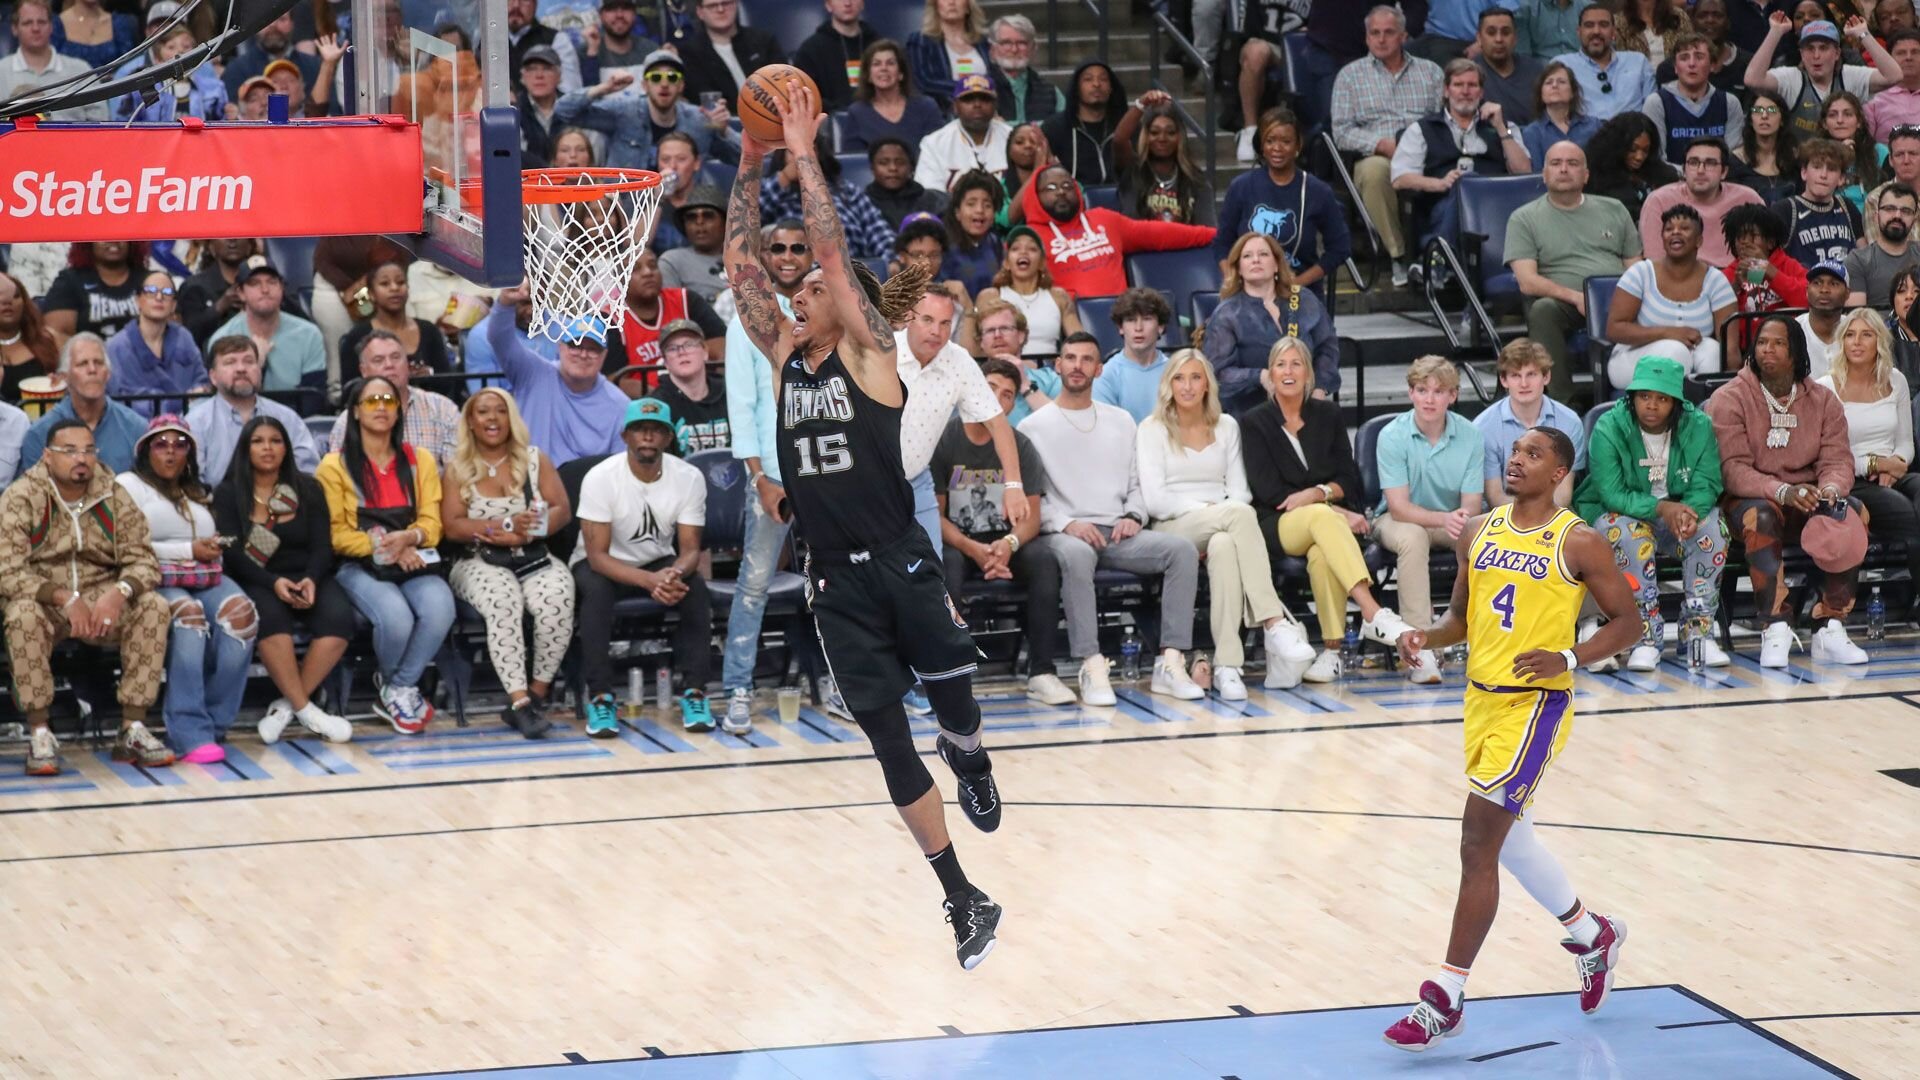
(759, 111)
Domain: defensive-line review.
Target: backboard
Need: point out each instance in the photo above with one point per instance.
(444, 64)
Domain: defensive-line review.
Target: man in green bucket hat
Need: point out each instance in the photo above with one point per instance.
(1653, 486)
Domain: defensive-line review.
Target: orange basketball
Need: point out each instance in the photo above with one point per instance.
(759, 114)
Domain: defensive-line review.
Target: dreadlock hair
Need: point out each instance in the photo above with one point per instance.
(1757, 217)
(902, 290)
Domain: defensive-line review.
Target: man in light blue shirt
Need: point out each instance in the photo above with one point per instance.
(296, 354)
(1610, 82)
(116, 428)
(216, 421)
(1525, 370)
(1429, 463)
(1131, 378)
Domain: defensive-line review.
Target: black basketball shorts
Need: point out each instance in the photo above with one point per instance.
(885, 619)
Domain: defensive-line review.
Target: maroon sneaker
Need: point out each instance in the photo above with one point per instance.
(1595, 963)
(1430, 1021)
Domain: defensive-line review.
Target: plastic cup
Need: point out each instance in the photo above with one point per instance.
(789, 697)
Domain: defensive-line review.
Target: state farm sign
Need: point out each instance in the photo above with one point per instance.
(75, 182)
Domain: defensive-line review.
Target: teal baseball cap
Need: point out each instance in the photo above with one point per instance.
(583, 329)
(650, 410)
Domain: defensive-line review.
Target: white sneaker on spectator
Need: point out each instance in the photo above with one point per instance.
(1231, 687)
(277, 717)
(334, 729)
(1606, 664)
(1170, 678)
(1047, 689)
(1425, 669)
(1325, 668)
(1776, 641)
(1096, 688)
(1400, 273)
(1832, 646)
(1385, 628)
(1287, 640)
(1243, 148)
(1644, 658)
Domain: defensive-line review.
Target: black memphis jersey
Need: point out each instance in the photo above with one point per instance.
(840, 457)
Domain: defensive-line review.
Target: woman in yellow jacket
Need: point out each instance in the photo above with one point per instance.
(383, 499)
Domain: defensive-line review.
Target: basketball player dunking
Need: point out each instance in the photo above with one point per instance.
(1525, 568)
(874, 584)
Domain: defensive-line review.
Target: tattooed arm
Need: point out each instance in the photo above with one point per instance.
(760, 315)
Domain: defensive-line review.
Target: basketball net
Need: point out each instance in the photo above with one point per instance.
(585, 230)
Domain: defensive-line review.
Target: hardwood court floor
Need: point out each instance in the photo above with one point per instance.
(471, 901)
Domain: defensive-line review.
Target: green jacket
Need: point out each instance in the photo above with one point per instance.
(1616, 482)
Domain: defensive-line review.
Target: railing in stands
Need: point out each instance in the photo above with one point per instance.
(1209, 125)
(1378, 246)
(1479, 320)
(312, 400)
(1099, 10)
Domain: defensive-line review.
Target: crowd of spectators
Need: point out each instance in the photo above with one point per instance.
(1720, 160)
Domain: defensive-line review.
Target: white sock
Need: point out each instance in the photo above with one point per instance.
(1535, 868)
(1581, 925)
(1454, 981)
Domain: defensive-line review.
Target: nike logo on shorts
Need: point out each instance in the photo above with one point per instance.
(914, 565)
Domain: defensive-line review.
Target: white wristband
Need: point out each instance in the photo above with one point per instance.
(1016, 485)
(1572, 661)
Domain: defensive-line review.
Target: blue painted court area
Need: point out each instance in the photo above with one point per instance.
(1655, 1031)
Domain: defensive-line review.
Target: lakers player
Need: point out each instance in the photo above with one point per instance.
(1525, 568)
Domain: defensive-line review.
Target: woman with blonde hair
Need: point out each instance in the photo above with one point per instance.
(1194, 483)
(1259, 305)
(1304, 481)
(503, 498)
(1879, 408)
(950, 45)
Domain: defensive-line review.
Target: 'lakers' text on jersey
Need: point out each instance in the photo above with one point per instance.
(839, 455)
(1520, 596)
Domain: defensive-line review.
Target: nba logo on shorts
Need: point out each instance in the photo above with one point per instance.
(954, 611)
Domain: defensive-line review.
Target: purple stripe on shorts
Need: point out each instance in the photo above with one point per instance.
(1537, 748)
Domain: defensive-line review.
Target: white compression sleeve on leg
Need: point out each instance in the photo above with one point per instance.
(1535, 868)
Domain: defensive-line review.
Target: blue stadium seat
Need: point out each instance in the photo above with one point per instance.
(1306, 105)
(1203, 304)
(1599, 291)
(892, 19)
(1486, 202)
(719, 174)
(842, 128)
(321, 427)
(789, 23)
(1366, 451)
(1179, 274)
(1106, 196)
(730, 499)
(856, 169)
(1592, 419)
(1096, 317)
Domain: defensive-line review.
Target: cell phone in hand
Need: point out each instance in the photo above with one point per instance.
(430, 556)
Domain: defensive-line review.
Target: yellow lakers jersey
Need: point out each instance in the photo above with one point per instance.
(1520, 597)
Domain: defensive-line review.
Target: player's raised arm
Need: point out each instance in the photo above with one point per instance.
(753, 295)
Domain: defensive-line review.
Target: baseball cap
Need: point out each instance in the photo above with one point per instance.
(649, 409)
(681, 326)
(1829, 266)
(604, 4)
(664, 58)
(968, 85)
(1660, 375)
(282, 65)
(1819, 29)
(1027, 231)
(585, 328)
(165, 9)
(541, 54)
(258, 264)
(257, 82)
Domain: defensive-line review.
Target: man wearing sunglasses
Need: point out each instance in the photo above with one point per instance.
(1610, 82)
(697, 266)
(635, 123)
(154, 354)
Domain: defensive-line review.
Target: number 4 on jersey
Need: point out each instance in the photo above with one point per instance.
(1503, 603)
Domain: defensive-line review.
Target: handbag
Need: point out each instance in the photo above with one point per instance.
(392, 519)
(189, 573)
(524, 561)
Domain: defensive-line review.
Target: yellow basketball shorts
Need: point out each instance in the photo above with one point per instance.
(1512, 735)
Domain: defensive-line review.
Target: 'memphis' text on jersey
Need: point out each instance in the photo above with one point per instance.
(828, 401)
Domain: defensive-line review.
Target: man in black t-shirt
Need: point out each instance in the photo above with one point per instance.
(698, 398)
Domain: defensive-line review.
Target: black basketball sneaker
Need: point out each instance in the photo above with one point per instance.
(979, 795)
(975, 921)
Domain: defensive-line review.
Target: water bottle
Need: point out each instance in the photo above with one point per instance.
(1876, 617)
(636, 693)
(1350, 652)
(1696, 652)
(1130, 656)
(663, 686)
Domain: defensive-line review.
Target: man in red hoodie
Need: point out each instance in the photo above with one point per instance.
(1087, 246)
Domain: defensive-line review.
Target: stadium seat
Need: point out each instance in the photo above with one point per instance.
(1366, 452)
(842, 132)
(789, 23)
(892, 19)
(730, 500)
(1096, 317)
(1306, 106)
(1599, 291)
(719, 174)
(1203, 304)
(1486, 202)
(321, 428)
(1106, 196)
(1179, 274)
(856, 169)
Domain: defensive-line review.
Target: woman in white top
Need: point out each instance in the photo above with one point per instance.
(1669, 304)
(1024, 283)
(1194, 483)
(1879, 409)
(210, 642)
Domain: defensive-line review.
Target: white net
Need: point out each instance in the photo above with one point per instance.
(580, 253)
